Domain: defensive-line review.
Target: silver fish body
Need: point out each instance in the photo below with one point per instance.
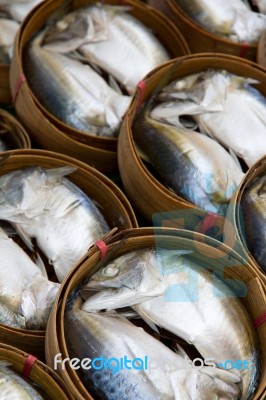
(169, 376)
(186, 300)
(233, 19)
(26, 295)
(225, 106)
(73, 92)
(17, 270)
(10, 318)
(17, 10)
(191, 164)
(253, 209)
(44, 205)
(115, 41)
(14, 387)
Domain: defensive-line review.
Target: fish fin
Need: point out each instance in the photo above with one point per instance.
(204, 129)
(115, 9)
(235, 158)
(114, 84)
(193, 384)
(130, 314)
(54, 174)
(141, 154)
(180, 351)
(40, 264)
(26, 238)
(116, 108)
(146, 319)
(96, 68)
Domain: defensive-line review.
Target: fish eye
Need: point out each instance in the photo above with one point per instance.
(111, 270)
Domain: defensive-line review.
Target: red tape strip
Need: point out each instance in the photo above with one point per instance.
(243, 50)
(102, 246)
(141, 86)
(20, 81)
(30, 361)
(208, 222)
(260, 320)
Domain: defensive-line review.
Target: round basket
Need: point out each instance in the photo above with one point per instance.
(233, 223)
(49, 132)
(147, 194)
(40, 373)
(12, 132)
(5, 94)
(211, 251)
(199, 39)
(108, 197)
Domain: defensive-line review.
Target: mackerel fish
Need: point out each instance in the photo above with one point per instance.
(232, 19)
(14, 387)
(43, 205)
(225, 106)
(169, 376)
(73, 91)
(191, 164)
(26, 295)
(172, 290)
(113, 39)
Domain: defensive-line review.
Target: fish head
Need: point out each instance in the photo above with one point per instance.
(123, 271)
(20, 186)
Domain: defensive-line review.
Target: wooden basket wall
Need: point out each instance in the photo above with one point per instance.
(232, 224)
(199, 39)
(48, 131)
(108, 197)
(210, 250)
(5, 94)
(13, 131)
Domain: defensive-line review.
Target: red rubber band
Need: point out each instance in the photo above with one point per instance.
(102, 246)
(20, 80)
(30, 361)
(260, 320)
(243, 50)
(141, 86)
(208, 222)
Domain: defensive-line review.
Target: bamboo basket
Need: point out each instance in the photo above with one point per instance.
(48, 131)
(233, 220)
(5, 95)
(146, 193)
(108, 197)
(199, 39)
(40, 374)
(13, 132)
(207, 249)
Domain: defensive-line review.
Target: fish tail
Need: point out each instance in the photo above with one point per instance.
(194, 384)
